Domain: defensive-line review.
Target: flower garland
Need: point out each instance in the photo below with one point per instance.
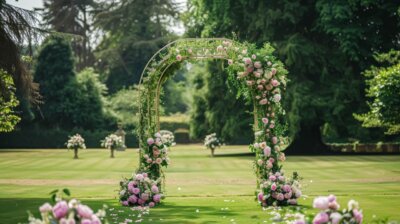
(259, 76)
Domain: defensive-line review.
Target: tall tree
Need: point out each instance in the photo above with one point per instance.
(74, 17)
(17, 26)
(133, 32)
(325, 44)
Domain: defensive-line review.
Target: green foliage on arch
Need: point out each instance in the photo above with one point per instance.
(258, 75)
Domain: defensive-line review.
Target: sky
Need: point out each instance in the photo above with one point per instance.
(31, 4)
(26, 4)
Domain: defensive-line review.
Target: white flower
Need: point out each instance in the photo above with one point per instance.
(352, 204)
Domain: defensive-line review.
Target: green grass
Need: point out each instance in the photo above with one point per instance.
(199, 189)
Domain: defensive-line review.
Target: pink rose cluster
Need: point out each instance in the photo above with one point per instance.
(140, 190)
(261, 76)
(157, 152)
(71, 212)
(330, 212)
(278, 190)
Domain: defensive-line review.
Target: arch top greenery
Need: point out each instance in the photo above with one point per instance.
(258, 75)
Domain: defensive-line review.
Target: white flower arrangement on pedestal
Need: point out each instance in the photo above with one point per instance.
(76, 142)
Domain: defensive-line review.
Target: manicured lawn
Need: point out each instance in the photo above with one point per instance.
(200, 189)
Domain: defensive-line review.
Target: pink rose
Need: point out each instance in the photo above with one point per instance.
(269, 87)
(274, 140)
(136, 190)
(154, 189)
(264, 120)
(141, 201)
(230, 61)
(179, 57)
(331, 198)
(247, 61)
(125, 203)
(280, 197)
(273, 187)
(150, 141)
(292, 201)
(336, 217)
(269, 63)
(358, 216)
(250, 69)
(84, 211)
(287, 188)
(149, 160)
(288, 195)
(257, 64)
(334, 205)
(132, 183)
(151, 204)
(272, 178)
(144, 175)
(139, 177)
(86, 221)
(158, 160)
(260, 87)
(156, 152)
(260, 162)
(267, 151)
(253, 56)
(46, 207)
(321, 218)
(257, 74)
(321, 203)
(95, 220)
(60, 210)
(157, 198)
(277, 98)
(273, 71)
(263, 101)
(260, 197)
(144, 196)
(281, 178)
(132, 199)
(269, 165)
(274, 82)
(271, 160)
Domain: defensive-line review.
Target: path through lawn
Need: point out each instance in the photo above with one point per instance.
(200, 189)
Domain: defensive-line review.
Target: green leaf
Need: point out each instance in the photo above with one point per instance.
(67, 192)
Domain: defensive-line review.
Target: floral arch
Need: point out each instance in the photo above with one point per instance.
(259, 76)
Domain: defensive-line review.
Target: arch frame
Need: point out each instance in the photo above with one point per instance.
(260, 78)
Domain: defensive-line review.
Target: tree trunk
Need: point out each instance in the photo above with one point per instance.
(212, 152)
(75, 153)
(112, 152)
(308, 141)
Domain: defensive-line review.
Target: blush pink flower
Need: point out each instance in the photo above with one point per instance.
(272, 178)
(84, 211)
(154, 189)
(280, 197)
(260, 87)
(292, 201)
(250, 82)
(273, 187)
(267, 151)
(132, 199)
(253, 56)
(247, 61)
(260, 162)
(250, 69)
(274, 82)
(264, 120)
(358, 216)
(151, 204)
(260, 197)
(269, 87)
(321, 203)
(136, 190)
(150, 141)
(257, 74)
(179, 57)
(257, 64)
(273, 71)
(46, 207)
(139, 177)
(144, 196)
(230, 61)
(321, 218)
(288, 195)
(263, 101)
(281, 178)
(277, 98)
(158, 160)
(157, 198)
(336, 217)
(141, 201)
(60, 210)
(269, 165)
(274, 140)
(125, 203)
(86, 221)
